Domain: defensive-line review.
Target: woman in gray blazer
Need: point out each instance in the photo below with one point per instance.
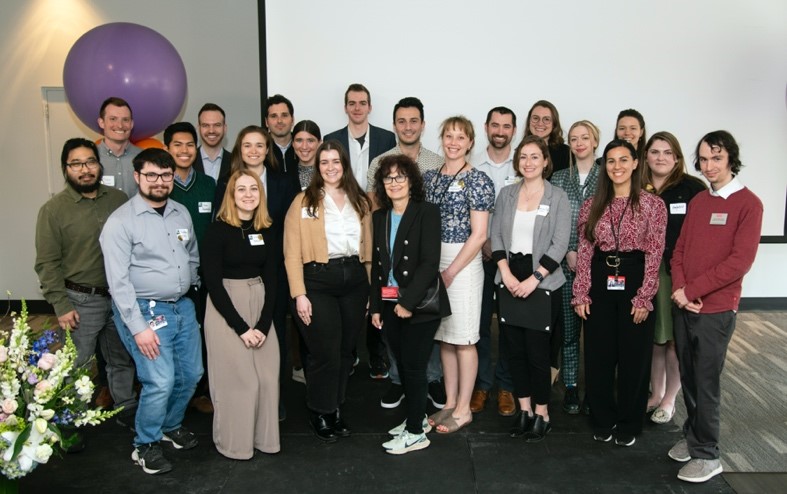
(530, 233)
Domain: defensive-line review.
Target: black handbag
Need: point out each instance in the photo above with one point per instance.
(430, 304)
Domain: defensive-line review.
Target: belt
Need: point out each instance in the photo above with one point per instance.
(344, 260)
(92, 290)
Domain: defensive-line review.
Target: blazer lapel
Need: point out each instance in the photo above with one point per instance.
(404, 227)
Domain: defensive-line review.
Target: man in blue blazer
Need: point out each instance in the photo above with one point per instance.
(363, 142)
(212, 159)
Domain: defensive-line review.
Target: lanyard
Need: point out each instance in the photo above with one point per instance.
(445, 190)
(614, 261)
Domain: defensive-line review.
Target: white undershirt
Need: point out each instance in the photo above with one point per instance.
(582, 178)
(524, 227)
(342, 229)
(359, 157)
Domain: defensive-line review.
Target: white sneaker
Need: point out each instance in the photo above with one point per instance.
(406, 442)
(397, 431)
(298, 375)
(700, 470)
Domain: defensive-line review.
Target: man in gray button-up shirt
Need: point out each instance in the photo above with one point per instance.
(151, 260)
(115, 150)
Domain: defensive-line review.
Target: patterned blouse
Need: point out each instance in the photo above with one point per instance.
(305, 173)
(643, 230)
(472, 190)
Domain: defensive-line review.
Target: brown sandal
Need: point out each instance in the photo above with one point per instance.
(438, 417)
(451, 425)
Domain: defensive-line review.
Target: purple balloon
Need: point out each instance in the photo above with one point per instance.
(129, 61)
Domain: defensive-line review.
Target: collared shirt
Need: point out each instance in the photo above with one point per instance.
(149, 256)
(725, 192)
(342, 228)
(119, 170)
(427, 160)
(189, 178)
(212, 167)
(359, 155)
(502, 174)
(67, 245)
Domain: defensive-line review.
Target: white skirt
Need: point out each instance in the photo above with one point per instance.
(461, 327)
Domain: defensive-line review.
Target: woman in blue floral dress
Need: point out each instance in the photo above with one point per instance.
(465, 197)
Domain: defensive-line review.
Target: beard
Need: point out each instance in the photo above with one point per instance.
(86, 187)
(155, 195)
(499, 145)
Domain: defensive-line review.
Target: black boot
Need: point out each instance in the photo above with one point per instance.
(322, 426)
(538, 429)
(339, 426)
(522, 422)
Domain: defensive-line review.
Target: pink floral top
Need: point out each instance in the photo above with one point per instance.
(643, 230)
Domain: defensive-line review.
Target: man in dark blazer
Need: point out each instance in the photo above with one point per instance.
(212, 159)
(279, 119)
(364, 142)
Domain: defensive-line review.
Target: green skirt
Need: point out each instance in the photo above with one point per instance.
(663, 308)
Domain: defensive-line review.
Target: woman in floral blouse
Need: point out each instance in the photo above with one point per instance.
(621, 242)
(465, 197)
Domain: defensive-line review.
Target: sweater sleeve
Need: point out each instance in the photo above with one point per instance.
(213, 272)
(584, 256)
(269, 278)
(293, 255)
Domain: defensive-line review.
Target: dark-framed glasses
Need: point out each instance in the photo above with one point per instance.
(153, 177)
(399, 179)
(90, 163)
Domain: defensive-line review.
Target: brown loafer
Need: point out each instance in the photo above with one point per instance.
(478, 400)
(505, 403)
(202, 404)
(104, 398)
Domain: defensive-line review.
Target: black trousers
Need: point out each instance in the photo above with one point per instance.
(338, 292)
(701, 342)
(529, 350)
(614, 343)
(411, 344)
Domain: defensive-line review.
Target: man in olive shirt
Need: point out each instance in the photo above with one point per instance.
(70, 266)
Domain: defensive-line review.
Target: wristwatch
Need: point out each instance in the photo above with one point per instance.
(538, 275)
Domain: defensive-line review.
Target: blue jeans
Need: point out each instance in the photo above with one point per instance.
(169, 381)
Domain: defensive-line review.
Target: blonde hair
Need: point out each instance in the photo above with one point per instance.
(228, 212)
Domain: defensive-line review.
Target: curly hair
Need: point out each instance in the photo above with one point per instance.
(405, 166)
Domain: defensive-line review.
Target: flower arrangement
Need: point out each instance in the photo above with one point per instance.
(40, 392)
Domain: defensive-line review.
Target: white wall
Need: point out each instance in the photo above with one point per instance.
(218, 42)
(689, 67)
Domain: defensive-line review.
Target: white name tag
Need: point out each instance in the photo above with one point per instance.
(256, 239)
(157, 322)
(455, 188)
(718, 219)
(512, 180)
(543, 210)
(677, 208)
(204, 207)
(183, 234)
(108, 180)
(305, 213)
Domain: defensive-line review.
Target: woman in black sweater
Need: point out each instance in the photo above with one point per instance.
(239, 261)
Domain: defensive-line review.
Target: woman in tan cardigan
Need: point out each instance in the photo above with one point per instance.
(327, 253)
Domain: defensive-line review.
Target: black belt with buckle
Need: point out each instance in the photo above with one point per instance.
(92, 290)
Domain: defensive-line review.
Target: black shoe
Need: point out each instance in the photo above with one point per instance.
(322, 426)
(126, 419)
(151, 459)
(393, 397)
(437, 394)
(585, 409)
(282, 412)
(571, 401)
(522, 422)
(181, 438)
(625, 439)
(378, 369)
(339, 426)
(539, 428)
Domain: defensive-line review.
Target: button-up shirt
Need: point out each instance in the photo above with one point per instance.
(148, 255)
(67, 245)
(119, 170)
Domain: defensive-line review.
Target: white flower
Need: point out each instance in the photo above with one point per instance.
(47, 414)
(43, 453)
(40, 425)
(3, 353)
(9, 406)
(47, 361)
(84, 387)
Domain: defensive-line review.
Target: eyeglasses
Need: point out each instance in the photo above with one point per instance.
(399, 179)
(153, 177)
(90, 163)
(546, 120)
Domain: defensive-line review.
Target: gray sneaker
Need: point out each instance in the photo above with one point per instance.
(406, 442)
(700, 470)
(680, 452)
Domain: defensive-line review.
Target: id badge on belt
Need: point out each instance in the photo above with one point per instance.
(390, 293)
(156, 322)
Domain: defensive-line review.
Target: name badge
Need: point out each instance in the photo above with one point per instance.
(677, 208)
(305, 213)
(616, 282)
(204, 207)
(512, 180)
(157, 322)
(183, 234)
(256, 239)
(718, 219)
(390, 293)
(108, 180)
(543, 210)
(455, 188)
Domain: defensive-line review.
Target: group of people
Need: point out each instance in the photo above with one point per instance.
(367, 229)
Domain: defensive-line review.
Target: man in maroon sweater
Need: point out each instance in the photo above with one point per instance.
(715, 250)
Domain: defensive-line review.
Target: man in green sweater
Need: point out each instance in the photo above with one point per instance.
(195, 190)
